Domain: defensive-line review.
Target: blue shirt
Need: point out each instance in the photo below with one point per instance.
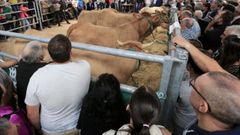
(80, 4)
(192, 33)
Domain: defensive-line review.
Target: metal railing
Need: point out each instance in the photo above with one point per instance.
(13, 13)
(100, 49)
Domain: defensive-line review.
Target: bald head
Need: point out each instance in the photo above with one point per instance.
(222, 92)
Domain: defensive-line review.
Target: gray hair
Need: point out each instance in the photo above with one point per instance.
(198, 6)
(223, 97)
(198, 14)
(33, 52)
(234, 30)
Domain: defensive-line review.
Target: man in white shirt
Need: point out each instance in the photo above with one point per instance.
(59, 89)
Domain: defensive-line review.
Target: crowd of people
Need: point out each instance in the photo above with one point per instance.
(20, 15)
(211, 34)
(58, 97)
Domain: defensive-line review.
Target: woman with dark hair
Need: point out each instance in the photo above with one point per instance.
(144, 108)
(103, 107)
(230, 58)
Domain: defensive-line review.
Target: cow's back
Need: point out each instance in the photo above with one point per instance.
(89, 16)
(114, 19)
(93, 15)
(94, 34)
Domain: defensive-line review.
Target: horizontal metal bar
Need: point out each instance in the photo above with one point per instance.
(14, 12)
(95, 48)
(127, 88)
(124, 87)
(8, 55)
(22, 26)
(7, 22)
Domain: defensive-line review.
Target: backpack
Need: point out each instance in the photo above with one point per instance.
(18, 118)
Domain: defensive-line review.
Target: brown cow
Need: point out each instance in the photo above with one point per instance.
(110, 17)
(106, 17)
(107, 36)
(153, 10)
(122, 68)
(93, 15)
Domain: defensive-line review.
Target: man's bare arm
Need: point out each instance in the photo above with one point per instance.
(204, 62)
(33, 116)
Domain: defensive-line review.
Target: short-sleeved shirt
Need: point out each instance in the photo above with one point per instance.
(60, 89)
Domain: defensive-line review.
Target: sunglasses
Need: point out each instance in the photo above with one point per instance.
(192, 84)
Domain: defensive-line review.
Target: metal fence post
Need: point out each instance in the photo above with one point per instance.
(176, 72)
(173, 88)
(39, 15)
(164, 82)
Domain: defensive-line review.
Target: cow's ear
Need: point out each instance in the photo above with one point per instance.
(136, 15)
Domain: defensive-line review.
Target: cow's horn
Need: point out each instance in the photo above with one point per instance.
(147, 45)
(120, 43)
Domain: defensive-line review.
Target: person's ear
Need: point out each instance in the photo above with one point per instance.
(203, 107)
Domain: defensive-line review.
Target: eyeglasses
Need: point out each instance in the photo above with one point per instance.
(191, 84)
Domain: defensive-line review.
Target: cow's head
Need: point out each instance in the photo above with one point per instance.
(159, 17)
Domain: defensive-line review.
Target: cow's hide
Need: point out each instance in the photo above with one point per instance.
(136, 30)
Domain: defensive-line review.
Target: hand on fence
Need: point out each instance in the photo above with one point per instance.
(178, 40)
